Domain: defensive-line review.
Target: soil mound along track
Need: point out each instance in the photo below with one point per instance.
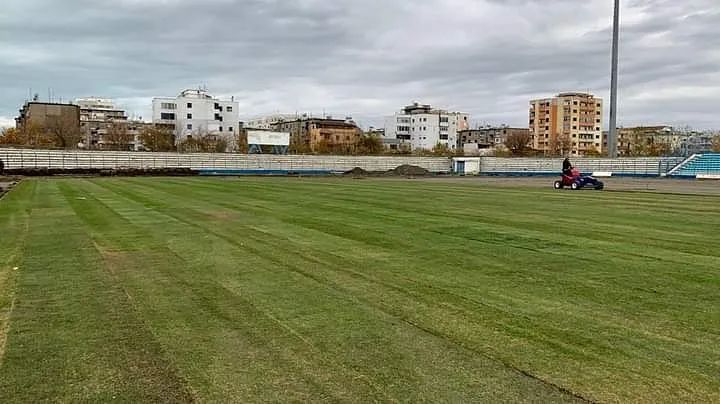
(409, 170)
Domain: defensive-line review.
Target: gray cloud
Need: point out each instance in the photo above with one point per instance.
(366, 58)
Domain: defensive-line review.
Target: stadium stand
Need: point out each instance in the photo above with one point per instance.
(705, 165)
(258, 164)
(642, 166)
(234, 164)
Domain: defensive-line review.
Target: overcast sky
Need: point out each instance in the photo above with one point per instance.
(366, 58)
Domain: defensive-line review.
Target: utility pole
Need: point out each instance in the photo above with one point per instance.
(612, 131)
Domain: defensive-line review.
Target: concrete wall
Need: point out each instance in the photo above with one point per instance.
(57, 159)
(22, 158)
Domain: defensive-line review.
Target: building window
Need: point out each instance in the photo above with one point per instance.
(229, 109)
(189, 105)
(189, 116)
(167, 116)
(575, 102)
(575, 119)
(217, 106)
(575, 111)
(168, 105)
(189, 126)
(221, 129)
(230, 129)
(597, 128)
(574, 127)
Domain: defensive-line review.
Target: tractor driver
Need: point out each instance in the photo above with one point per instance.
(567, 167)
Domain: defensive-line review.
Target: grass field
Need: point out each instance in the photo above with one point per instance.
(287, 289)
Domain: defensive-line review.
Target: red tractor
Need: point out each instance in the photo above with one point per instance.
(577, 181)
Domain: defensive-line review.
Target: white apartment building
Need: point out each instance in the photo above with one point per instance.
(195, 111)
(421, 127)
(267, 122)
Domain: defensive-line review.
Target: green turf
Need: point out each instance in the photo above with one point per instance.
(247, 290)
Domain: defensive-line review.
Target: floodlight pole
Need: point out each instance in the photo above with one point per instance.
(612, 131)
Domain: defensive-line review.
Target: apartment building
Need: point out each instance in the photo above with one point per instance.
(100, 116)
(45, 114)
(693, 142)
(421, 127)
(568, 124)
(488, 137)
(195, 112)
(321, 135)
(649, 140)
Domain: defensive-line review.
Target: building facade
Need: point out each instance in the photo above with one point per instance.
(267, 122)
(568, 124)
(649, 140)
(320, 135)
(106, 127)
(488, 137)
(423, 127)
(196, 113)
(45, 114)
(693, 142)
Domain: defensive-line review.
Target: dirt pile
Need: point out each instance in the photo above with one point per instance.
(409, 171)
(357, 172)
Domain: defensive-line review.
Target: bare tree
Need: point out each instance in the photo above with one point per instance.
(203, 142)
(11, 136)
(157, 139)
(560, 145)
(64, 131)
(518, 143)
(369, 145)
(241, 141)
(118, 137)
(716, 144)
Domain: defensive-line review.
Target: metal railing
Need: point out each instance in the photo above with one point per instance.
(645, 166)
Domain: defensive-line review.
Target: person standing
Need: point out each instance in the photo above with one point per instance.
(567, 167)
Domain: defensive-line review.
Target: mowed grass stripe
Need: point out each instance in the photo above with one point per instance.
(657, 357)
(14, 222)
(335, 307)
(73, 335)
(344, 290)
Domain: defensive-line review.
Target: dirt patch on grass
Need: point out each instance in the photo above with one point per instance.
(6, 184)
(222, 215)
(7, 303)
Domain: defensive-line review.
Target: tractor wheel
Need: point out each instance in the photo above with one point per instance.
(558, 185)
(575, 186)
(600, 186)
